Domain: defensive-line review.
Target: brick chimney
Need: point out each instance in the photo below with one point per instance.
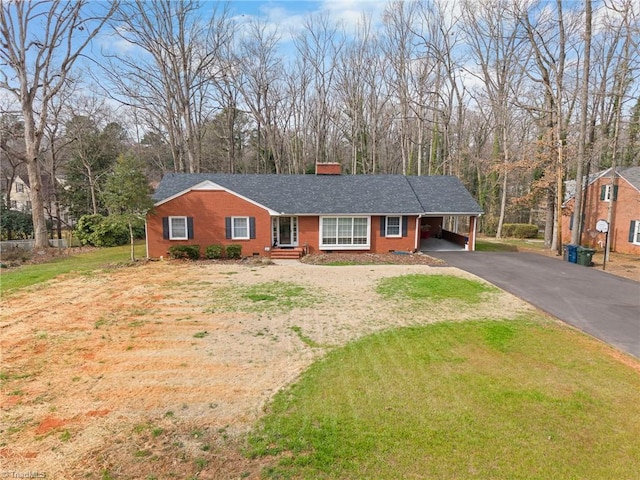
(328, 168)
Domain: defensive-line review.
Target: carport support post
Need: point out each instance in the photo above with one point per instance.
(472, 233)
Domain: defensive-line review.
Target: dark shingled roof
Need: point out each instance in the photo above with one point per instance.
(335, 194)
(631, 175)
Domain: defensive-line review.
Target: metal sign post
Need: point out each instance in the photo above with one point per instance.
(602, 226)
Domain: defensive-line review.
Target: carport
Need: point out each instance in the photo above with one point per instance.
(447, 233)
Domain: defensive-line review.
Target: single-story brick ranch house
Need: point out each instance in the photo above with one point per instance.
(290, 215)
(624, 198)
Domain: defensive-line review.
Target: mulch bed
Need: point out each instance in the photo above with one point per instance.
(372, 259)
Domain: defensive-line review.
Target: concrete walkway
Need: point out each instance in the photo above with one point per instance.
(598, 303)
(431, 244)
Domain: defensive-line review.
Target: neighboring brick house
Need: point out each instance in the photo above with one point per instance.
(623, 197)
(276, 215)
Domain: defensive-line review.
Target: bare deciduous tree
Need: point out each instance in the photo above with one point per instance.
(168, 74)
(319, 45)
(493, 32)
(258, 79)
(41, 42)
(576, 232)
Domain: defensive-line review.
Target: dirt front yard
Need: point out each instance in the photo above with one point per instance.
(158, 370)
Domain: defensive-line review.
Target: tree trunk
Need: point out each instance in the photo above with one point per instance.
(133, 256)
(32, 146)
(548, 226)
(576, 233)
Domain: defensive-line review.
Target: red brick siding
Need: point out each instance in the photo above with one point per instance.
(381, 244)
(309, 234)
(308, 228)
(208, 209)
(626, 209)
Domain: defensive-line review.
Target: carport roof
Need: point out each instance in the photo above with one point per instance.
(334, 194)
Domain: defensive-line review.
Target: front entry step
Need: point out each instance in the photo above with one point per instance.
(286, 253)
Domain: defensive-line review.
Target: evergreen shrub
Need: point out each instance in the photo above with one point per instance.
(101, 231)
(234, 251)
(191, 252)
(214, 252)
(519, 230)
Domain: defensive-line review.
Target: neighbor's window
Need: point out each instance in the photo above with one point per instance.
(240, 228)
(19, 187)
(178, 228)
(635, 232)
(607, 193)
(344, 232)
(393, 227)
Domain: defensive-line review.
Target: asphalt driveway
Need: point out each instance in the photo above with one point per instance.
(600, 304)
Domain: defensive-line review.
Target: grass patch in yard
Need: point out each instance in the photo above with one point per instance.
(420, 287)
(343, 263)
(304, 338)
(490, 244)
(28, 275)
(517, 399)
(264, 297)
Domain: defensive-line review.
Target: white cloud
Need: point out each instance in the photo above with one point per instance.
(350, 12)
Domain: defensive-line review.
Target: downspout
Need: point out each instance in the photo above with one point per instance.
(146, 238)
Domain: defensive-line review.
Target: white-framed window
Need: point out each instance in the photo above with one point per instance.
(19, 187)
(14, 204)
(345, 233)
(393, 227)
(240, 228)
(178, 228)
(608, 192)
(634, 235)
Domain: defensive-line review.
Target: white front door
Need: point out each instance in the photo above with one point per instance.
(285, 231)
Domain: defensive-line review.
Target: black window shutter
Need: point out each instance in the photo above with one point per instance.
(615, 193)
(227, 227)
(252, 227)
(632, 230)
(190, 228)
(383, 226)
(571, 221)
(603, 189)
(165, 228)
(405, 226)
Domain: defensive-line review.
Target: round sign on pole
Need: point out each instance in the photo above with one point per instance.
(602, 226)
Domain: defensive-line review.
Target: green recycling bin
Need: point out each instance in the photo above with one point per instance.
(585, 255)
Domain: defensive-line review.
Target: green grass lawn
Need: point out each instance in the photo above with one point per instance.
(492, 399)
(489, 244)
(418, 287)
(267, 297)
(28, 275)
(523, 399)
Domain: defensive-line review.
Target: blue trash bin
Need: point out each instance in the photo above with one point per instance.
(572, 253)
